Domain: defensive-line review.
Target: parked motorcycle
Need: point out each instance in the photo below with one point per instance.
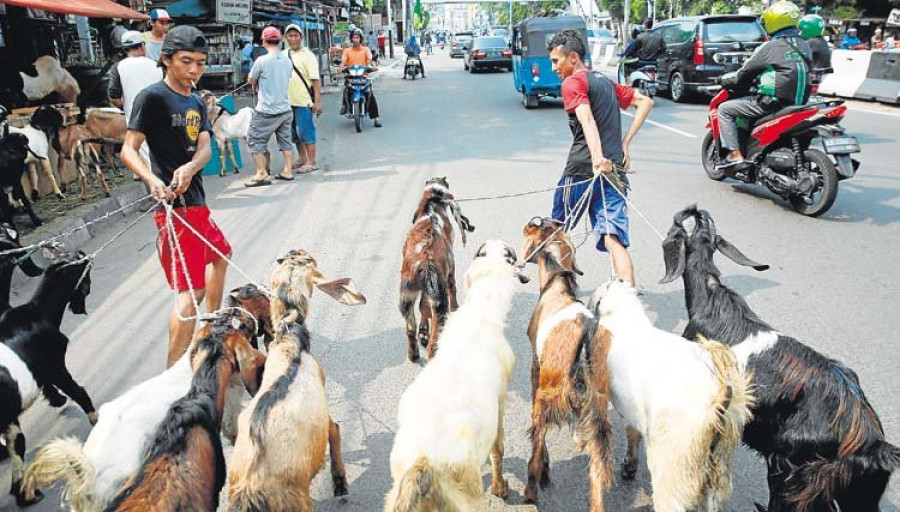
(638, 75)
(782, 153)
(413, 67)
(359, 86)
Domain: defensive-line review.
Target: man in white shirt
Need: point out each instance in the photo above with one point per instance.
(305, 95)
(132, 75)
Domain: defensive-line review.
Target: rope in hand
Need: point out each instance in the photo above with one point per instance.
(582, 203)
(521, 194)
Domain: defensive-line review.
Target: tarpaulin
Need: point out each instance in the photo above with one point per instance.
(90, 8)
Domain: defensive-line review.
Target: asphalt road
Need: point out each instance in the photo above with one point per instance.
(833, 281)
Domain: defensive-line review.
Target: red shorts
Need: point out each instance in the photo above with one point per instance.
(197, 254)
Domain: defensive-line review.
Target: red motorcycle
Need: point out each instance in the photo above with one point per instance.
(783, 153)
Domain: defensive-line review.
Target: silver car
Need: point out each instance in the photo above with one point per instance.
(461, 43)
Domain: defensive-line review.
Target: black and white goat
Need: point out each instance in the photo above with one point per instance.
(9, 240)
(33, 357)
(14, 151)
(822, 440)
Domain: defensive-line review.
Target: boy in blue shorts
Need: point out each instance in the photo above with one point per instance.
(593, 103)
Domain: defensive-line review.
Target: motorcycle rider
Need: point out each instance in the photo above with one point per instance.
(413, 49)
(782, 67)
(646, 47)
(359, 55)
(811, 28)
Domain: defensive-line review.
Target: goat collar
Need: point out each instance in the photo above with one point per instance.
(219, 114)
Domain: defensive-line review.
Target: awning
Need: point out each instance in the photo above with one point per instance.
(90, 8)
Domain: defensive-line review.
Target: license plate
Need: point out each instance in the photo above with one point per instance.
(841, 145)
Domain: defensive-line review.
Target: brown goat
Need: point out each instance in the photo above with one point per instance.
(184, 468)
(284, 431)
(428, 273)
(566, 389)
(258, 304)
(106, 127)
(73, 147)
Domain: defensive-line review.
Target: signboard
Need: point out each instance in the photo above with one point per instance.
(233, 11)
(894, 18)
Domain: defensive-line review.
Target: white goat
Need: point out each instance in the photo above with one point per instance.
(451, 416)
(689, 400)
(39, 155)
(227, 127)
(51, 77)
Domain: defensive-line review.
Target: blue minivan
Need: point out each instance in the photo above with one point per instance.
(532, 73)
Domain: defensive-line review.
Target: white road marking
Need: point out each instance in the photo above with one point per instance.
(664, 127)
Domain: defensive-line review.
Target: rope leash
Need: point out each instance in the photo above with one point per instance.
(521, 194)
(581, 202)
(176, 251)
(612, 268)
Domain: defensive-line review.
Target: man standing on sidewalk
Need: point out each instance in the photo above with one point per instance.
(382, 43)
(173, 122)
(130, 76)
(305, 95)
(160, 21)
(271, 75)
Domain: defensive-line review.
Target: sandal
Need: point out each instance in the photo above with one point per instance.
(284, 178)
(306, 169)
(253, 182)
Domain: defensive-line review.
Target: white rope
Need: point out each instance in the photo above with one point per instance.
(521, 194)
(176, 251)
(612, 268)
(564, 225)
(641, 215)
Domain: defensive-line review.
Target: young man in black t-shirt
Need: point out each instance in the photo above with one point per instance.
(174, 123)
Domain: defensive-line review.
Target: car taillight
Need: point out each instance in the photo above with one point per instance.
(478, 54)
(507, 53)
(699, 58)
(836, 112)
(535, 70)
(453, 44)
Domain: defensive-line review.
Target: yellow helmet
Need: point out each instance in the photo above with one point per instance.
(779, 16)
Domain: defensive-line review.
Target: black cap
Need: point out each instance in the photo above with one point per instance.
(184, 38)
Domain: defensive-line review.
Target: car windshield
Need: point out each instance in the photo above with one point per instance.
(500, 32)
(734, 31)
(490, 42)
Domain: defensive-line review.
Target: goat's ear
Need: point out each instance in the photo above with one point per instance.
(732, 253)
(673, 254)
(572, 250)
(30, 268)
(342, 290)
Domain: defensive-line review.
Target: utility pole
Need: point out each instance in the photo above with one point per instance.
(390, 34)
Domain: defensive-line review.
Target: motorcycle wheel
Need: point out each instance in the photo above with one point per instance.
(710, 158)
(357, 115)
(822, 198)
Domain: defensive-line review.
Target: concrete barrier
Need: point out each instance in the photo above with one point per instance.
(850, 69)
(882, 82)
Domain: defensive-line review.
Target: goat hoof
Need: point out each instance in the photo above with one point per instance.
(530, 497)
(61, 195)
(340, 485)
(34, 195)
(222, 174)
(413, 357)
(236, 171)
(93, 417)
(501, 489)
(22, 501)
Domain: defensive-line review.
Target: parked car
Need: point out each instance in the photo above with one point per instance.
(488, 52)
(462, 41)
(533, 74)
(702, 48)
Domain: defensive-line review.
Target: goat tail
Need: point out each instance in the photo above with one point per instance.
(595, 429)
(64, 459)
(731, 411)
(435, 288)
(419, 489)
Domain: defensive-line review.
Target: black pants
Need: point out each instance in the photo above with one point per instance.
(381, 51)
(370, 100)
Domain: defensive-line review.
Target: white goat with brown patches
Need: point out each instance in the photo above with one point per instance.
(689, 401)
(451, 416)
(284, 431)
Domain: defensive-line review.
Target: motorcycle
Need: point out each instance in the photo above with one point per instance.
(639, 75)
(357, 86)
(781, 153)
(413, 67)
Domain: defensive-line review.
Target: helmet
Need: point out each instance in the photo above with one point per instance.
(779, 16)
(811, 25)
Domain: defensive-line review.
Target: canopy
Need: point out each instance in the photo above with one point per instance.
(90, 8)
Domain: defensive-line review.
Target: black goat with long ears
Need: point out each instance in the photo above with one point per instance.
(33, 357)
(822, 440)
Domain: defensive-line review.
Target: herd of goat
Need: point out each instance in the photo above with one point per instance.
(693, 399)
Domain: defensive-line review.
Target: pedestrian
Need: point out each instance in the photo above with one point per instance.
(382, 43)
(305, 95)
(428, 44)
(173, 122)
(372, 44)
(130, 76)
(850, 41)
(359, 55)
(271, 75)
(877, 40)
(160, 21)
(592, 104)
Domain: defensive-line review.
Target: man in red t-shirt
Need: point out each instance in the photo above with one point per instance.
(592, 102)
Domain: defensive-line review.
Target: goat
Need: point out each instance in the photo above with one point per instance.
(33, 357)
(283, 431)
(822, 440)
(51, 77)
(106, 126)
(252, 299)
(184, 465)
(690, 401)
(95, 472)
(227, 127)
(451, 416)
(428, 273)
(13, 153)
(70, 143)
(38, 154)
(569, 374)
(9, 240)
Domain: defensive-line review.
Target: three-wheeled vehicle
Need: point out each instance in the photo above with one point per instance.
(532, 73)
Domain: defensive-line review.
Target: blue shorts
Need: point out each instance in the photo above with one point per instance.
(565, 200)
(304, 125)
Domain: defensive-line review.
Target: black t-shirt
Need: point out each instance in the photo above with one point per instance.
(172, 124)
(821, 53)
(650, 46)
(601, 94)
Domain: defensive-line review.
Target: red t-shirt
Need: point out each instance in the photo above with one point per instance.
(575, 92)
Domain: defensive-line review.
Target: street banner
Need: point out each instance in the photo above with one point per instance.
(234, 11)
